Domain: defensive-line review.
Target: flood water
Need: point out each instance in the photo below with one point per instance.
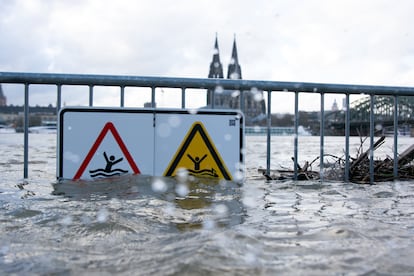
(139, 225)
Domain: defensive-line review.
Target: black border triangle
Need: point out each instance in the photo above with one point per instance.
(197, 127)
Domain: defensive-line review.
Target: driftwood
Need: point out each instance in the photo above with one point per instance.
(358, 167)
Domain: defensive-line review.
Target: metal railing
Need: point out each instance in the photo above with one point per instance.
(270, 87)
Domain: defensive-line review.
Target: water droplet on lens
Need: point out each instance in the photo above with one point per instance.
(182, 175)
(209, 224)
(227, 137)
(193, 111)
(174, 121)
(102, 215)
(219, 89)
(235, 94)
(159, 186)
(164, 130)
(181, 190)
(221, 210)
(66, 220)
(258, 97)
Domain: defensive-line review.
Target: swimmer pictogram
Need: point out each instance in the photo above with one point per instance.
(201, 172)
(111, 160)
(108, 171)
(199, 156)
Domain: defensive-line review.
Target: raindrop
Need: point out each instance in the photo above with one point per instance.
(234, 76)
(221, 210)
(66, 221)
(67, 155)
(182, 175)
(69, 128)
(169, 209)
(227, 137)
(378, 127)
(174, 121)
(159, 186)
(209, 224)
(256, 128)
(315, 89)
(85, 219)
(235, 93)
(182, 190)
(238, 176)
(249, 201)
(223, 183)
(250, 258)
(219, 89)
(164, 130)
(258, 97)
(193, 111)
(102, 215)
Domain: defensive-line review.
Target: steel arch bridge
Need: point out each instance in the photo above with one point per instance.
(383, 113)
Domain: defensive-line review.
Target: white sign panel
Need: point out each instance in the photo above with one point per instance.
(102, 142)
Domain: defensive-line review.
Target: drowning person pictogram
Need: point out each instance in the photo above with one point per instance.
(197, 171)
(108, 171)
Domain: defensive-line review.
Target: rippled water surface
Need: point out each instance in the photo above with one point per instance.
(158, 226)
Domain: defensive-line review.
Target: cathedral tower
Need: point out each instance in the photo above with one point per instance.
(253, 103)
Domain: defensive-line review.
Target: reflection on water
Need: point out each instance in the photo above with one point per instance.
(143, 225)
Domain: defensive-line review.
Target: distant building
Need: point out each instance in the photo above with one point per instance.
(254, 107)
(3, 99)
(334, 106)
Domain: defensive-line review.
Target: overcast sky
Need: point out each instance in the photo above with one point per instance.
(343, 41)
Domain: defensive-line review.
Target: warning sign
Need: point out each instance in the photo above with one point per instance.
(109, 168)
(99, 142)
(199, 156)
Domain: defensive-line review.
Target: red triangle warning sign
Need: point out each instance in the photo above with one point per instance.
(111, 160)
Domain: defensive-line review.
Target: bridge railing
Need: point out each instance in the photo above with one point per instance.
(271, 87)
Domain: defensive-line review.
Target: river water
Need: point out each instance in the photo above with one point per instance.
(158, 226)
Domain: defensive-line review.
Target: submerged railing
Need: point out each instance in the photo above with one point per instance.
(270, 87)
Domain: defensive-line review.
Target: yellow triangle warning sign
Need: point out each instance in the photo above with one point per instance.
(198, 155)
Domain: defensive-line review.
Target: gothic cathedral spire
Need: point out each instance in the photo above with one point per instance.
(216, 68)
(234, 69)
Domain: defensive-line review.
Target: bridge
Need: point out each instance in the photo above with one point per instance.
(384, 108)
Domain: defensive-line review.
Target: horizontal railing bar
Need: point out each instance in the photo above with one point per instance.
(142, 81)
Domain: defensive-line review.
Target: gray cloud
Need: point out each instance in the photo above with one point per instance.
(364, 42)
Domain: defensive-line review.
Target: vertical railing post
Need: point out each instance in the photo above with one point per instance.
(295, 141)
(122, 100)
(371, 141)
(26, 132)
(90, 95)
(153, 96)
(395, 167)
(322, 134)
(212, 98)
(183, 97)
(269, 126)
(59, 98)
(242, 105)
(347, 134)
